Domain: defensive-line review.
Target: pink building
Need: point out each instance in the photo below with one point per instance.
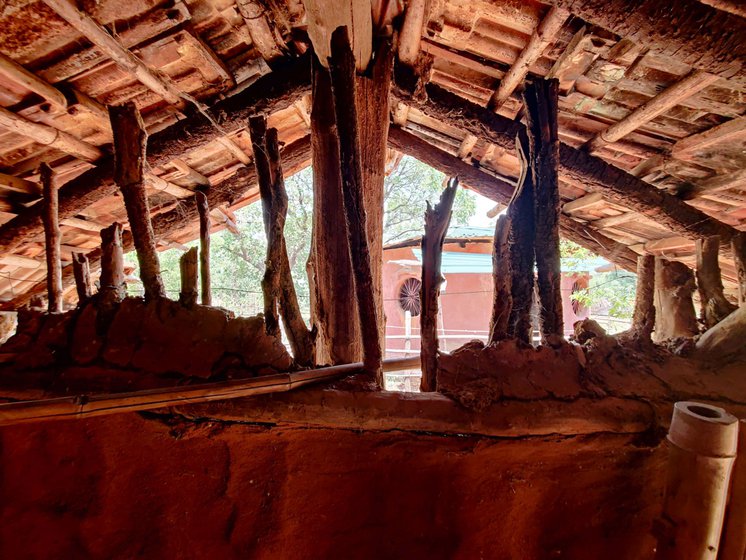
(466, 295)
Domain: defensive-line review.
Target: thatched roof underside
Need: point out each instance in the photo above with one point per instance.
(209, 50)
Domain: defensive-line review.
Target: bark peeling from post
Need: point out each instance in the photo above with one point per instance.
(541, 98)
(502, 299)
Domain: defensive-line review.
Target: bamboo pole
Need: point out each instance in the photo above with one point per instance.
(86, 406)
(702, 451)
(733, 544)
(436, 226)
(52, 239)
(203, 208)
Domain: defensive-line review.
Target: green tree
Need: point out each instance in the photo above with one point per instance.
(237, 261)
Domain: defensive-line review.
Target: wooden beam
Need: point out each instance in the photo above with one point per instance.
(189, 272)
(694, 82)
(49, 136)
(122, 57)
(739, 254)
(342, 69)
(541, 98)
(130, 141)
(540, 39)
(262, 31)
(717, 183)
(500, 191)
(410, 37)
(437, 220)
(613, 221)
(82, 274)
(674, 309)
(521, 244)
(729, 131)
(16, 184)
(295, 156)
(326, 16)
(203, 208)
(666, 244)
(502, 300)
(672, 30)
(714, 307)
(111, 259)
(576, 166)
(270, 93)
(52, 240)
(582, 203)
(18, 74)
(643, 318)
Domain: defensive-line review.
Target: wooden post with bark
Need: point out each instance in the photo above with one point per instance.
(277, 283)
(521, 246)
(112, 289)
(541, 98)
(188, 268)
(82, 273)
(643, 318)
(714, 306)
(203, 208)
(52, 240)
(436, 226)
(342, 69)
(674, 308)
(502, 300)
(270, 280)
(330, 268)
(738, 244)
(130, 141)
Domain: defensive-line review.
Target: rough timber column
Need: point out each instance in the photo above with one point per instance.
(330, 269)
(354, 184)
(52, 240)
(130, 140)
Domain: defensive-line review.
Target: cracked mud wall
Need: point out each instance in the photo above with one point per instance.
(161, 487)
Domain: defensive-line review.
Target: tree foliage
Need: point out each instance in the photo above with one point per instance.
(237, 261)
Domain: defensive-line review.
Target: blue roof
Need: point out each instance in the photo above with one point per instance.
(470, 231)
(455, 262)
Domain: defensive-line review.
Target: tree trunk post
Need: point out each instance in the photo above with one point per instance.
(203, 208)
(521, 246)
(301, 339)
(188, 268)
(541, 100)
(52, 239)
(733, 545)
(82, 273)
(330, 269)
(502, 300)
(113, 288)
(714, 306)
(674, 309)
(271, 278)
(130, 140)
(342, 68)
(643, 318)
(738, 244)
(436, 226)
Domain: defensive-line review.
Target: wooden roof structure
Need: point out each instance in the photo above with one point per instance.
(656, 91)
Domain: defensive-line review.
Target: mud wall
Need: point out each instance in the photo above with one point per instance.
(133, 486)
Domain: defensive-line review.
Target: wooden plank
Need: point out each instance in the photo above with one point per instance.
(669, 244)
(16, 184)
(729, 131)
(613, 221)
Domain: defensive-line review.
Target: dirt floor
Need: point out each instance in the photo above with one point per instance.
(145, 486)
